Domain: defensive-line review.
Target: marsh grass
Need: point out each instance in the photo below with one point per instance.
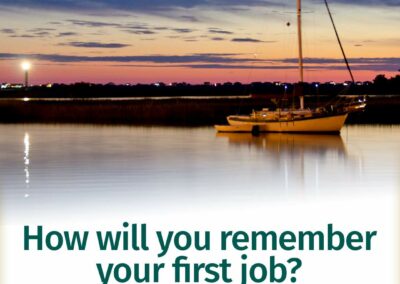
(143, 112)
(175, 112)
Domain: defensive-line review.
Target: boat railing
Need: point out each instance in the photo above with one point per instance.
(347, 103)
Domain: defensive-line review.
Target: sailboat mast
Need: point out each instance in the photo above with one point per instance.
(300, 50)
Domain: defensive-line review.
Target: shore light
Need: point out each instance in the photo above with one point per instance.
(26, 66)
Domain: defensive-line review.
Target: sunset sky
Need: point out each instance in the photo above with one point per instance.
(128, 41)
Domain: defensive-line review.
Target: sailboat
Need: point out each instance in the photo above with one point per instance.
(325, 120)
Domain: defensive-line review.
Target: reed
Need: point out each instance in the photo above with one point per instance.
(175, 112)
(143, 112)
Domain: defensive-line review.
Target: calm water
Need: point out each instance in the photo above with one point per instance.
(91, 177)
(70, 165)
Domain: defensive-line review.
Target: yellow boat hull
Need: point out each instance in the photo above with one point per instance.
(332, 123)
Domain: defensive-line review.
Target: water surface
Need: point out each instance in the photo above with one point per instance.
(72, 165)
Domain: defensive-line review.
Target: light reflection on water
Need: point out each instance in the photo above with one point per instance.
(26, 161)
(79, 167)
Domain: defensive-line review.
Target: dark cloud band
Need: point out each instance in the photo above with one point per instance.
(135, 6)
(96, 44)
(218, 61)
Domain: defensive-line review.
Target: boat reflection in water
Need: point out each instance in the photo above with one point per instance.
(293, 144)
(303, 159)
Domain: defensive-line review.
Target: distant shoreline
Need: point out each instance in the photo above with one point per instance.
(379, 86)
(168, 112)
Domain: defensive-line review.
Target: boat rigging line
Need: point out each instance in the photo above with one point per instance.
(340, 43)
